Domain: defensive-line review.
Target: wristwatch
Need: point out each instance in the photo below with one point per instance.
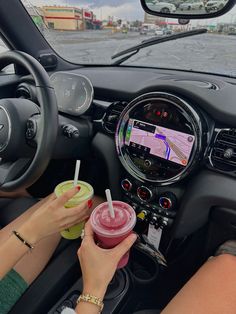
(91, 299)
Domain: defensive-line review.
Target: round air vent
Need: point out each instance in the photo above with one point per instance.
(223, 152)
(26, 91)
(112, 115)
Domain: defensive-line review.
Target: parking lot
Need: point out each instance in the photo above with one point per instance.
(208, 52)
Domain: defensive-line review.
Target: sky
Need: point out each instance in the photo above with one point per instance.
(125, 9)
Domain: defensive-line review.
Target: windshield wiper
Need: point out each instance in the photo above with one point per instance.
(153, 41)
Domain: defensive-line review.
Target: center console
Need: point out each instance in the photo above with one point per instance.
(127, 283)
(159, 141)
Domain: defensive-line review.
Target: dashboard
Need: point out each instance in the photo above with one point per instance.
(167, 137)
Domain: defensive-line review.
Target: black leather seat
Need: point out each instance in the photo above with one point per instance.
(10, 209)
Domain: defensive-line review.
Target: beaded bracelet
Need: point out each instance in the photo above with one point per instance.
(30, 246)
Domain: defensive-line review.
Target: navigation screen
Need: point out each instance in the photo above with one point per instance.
(159, 141)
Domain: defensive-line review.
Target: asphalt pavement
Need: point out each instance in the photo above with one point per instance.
(215, 53)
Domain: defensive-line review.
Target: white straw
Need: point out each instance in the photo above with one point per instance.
(109, 200)
(77, 167)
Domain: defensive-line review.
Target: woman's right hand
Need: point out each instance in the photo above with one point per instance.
(99, 265)
(52, 217)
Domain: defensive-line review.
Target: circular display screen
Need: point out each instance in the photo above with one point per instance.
(158, 137)
(74, 92)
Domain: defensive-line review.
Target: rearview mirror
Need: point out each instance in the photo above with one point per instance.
(187, 9)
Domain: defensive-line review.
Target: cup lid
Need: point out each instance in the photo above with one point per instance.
(104, 225)
(121, 218)
(86, 191)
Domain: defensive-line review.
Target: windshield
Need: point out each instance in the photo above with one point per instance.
(10, 68)
(92, 31)
(3, 47)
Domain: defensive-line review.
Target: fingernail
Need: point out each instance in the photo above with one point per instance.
(78, 187)
(90, 203)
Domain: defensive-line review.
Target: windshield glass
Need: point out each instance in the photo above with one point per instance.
(10, 68)
(3, 47)
(92, 31)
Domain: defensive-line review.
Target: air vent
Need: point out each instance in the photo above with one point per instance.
(112, 115)
(223, 154)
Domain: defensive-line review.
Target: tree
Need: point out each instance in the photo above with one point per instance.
(136, 23)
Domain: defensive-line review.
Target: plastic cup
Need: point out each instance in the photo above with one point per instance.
(86, 193)
(111, 231)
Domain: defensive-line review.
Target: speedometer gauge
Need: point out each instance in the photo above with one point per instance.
(74, 92)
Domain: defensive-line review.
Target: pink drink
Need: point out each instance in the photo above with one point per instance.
(111, 231)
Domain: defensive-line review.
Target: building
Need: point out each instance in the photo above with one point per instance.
(37, 16)
(88, 19)
(63, 18)
(226, 28)
(152, 19)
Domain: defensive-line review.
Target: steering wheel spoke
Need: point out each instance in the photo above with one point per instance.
(10, 170)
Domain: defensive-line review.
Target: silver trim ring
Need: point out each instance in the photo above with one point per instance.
(197, 129)
(165, 198)
(131, 185)
(143, 186)
(90, 96)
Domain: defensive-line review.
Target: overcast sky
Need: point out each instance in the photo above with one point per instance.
(124, 9)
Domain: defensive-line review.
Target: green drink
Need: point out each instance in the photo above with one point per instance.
(86, 193)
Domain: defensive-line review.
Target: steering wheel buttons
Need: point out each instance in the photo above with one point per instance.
(31, 128)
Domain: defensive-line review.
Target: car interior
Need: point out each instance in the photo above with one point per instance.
(181, 181)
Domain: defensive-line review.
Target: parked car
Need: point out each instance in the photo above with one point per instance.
(167, 31)
(214, 5)
(124, 30)
(163, 7)
(177, 3)
(191, 5)
(159, 32)
(143, 30)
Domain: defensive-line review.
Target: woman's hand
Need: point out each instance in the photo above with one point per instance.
(99, 265)
(53, 217)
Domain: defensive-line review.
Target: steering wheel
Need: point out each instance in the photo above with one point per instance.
(27, 132)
